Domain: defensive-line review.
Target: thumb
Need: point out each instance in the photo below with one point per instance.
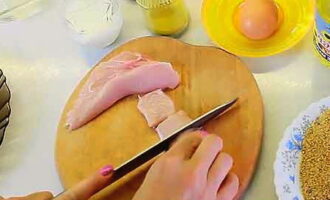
(90, 186)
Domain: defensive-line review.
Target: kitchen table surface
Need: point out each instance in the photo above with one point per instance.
(43, 64)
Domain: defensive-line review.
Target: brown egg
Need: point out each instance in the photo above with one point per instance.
(257, 19)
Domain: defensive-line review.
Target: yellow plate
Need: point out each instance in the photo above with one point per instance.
(218, 19)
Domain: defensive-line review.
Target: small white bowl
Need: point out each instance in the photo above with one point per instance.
(94, 22)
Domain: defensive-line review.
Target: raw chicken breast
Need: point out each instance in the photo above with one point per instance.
(155, 106)
(172, 123)
(126, 74)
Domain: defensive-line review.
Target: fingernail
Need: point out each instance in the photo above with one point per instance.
(204, 133)
(106, 170)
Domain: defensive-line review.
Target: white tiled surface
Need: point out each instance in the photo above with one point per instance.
(43, 64)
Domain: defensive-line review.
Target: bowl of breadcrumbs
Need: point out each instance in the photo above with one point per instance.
(315, 160)
(302, 164)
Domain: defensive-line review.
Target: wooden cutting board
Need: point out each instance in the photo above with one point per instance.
(209, 77)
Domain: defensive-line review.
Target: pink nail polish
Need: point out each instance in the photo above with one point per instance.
(204, 133)
(106, 170)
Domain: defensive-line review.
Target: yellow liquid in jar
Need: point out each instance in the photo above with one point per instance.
(169, 19)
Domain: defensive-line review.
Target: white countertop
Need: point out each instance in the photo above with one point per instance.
(43, 64)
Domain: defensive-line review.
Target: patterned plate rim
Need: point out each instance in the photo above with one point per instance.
(4, 123)
(303, 120)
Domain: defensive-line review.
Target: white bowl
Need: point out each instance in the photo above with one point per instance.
(94, 22)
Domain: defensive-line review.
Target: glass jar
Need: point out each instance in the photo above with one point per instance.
(322, 31)
(170, 18)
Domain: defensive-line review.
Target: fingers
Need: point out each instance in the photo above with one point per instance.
(207, 152)
(219, 170)
(40, 196)
(88, 187)
(186, 145)
(229, 188)
(34, 196)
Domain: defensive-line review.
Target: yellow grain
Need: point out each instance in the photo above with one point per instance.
(315, 163)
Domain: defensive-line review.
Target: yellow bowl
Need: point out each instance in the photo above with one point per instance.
(297, 16)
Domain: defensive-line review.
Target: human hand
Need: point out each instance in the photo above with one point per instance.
(34, 196)
(193, 169)
(88, 187)
(82, 191)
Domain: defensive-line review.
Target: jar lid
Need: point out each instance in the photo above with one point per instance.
(147, 4)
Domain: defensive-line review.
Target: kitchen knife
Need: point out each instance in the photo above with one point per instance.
(163, 145)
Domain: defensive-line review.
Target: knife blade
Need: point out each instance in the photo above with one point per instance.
(163, 145)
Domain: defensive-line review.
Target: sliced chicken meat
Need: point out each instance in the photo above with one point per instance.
(156, 106)
(126, 74)
(172, 123)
